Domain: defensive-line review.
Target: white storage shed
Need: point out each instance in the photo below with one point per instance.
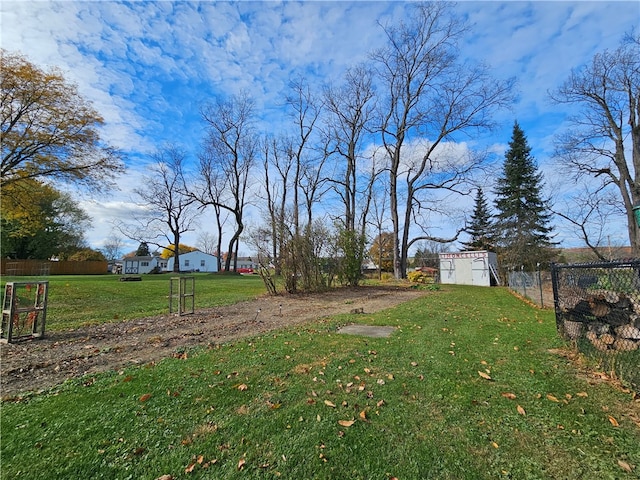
(469, 268)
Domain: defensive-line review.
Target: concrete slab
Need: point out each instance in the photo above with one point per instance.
(367, 331)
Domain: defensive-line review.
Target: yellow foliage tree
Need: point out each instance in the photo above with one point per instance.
(170, 250)
(381, 251)
(48, 129)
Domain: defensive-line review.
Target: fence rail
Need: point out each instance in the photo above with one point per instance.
(597, 308)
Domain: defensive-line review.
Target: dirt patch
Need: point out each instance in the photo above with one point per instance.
(43, 363)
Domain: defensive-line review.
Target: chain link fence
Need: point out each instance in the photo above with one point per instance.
(535, 286)
(597, 308)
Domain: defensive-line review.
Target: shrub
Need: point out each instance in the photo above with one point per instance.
(419, 277)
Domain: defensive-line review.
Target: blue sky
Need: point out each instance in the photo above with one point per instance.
(149, 66)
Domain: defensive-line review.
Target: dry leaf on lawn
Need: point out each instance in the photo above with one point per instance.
(484, 375)
(613, 421)
(329, 403)
(521, 410)
(625, 466)
(346, 423)
(509, 395)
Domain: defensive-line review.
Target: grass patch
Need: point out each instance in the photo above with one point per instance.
(310, 403)
(80, 300)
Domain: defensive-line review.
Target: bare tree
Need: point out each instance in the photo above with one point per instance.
(305, 111)
(587, 211)
(277, 163)
(209, 191)
(430, 95)
(208, 243)
(607, 127)
(231, 149)
(112, 249)
(351, 108)
(165, 206)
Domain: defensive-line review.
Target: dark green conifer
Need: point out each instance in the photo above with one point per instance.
(481, 227)
(522, 227)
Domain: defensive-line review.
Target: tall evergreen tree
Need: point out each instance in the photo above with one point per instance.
(481, 226)
(523, 231)
(143, 250)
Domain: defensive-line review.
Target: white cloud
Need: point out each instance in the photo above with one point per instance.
(149, 66)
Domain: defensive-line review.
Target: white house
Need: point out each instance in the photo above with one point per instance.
(195, 261)
(469, 268)
(144, 264)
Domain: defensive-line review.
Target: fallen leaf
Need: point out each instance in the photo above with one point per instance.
(241, 463)
(329, 403)
(484, 375)
(145, 397)
(552, 398)
(521, 410)
(509, 395)
(613, 421)
(494, 445)
(165, 477)
(625, 466)
(363, 415)
(582, 394)
(346, 423)
(242, 387)
(190, 468)
(380, 403)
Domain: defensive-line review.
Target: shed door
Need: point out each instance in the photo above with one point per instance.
(447, 272)
(480, 272)
(464, 273)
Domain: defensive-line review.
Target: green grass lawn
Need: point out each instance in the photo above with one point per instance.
(465, 388)
(78, 300)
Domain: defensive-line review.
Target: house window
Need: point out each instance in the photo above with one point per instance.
(202, 263)
(186, 263)
(144, 264)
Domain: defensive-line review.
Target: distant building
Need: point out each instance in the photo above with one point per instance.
(195, 261)
(144, 264)
(245, 265)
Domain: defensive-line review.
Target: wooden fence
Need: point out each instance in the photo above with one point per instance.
(10, 267)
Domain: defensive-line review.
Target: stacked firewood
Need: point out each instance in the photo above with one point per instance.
(609, 320)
